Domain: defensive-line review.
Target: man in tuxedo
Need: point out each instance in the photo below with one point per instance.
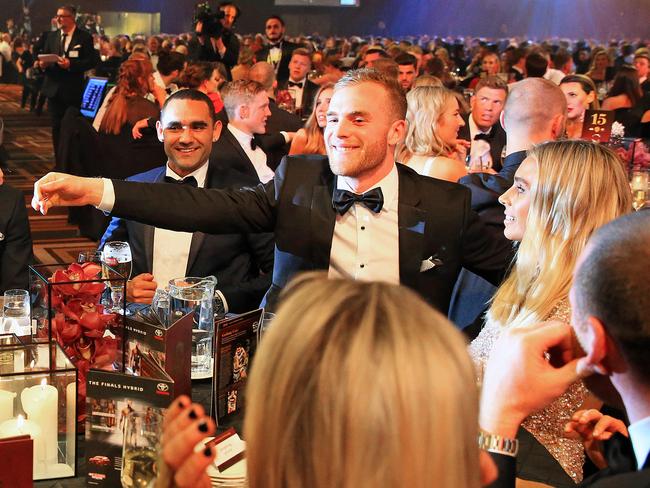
(482, 123)
(15, 239)
(279, 120)
(242, 263)
(301, 89)
(357, 213)
(611, 320)
(278, 50)
(63, 83)
(239, 147)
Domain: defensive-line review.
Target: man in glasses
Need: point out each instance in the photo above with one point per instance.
(242, 263)
(72, 54)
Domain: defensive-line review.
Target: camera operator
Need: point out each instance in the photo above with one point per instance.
(214, 32)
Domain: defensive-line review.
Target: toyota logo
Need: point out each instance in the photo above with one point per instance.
(162, 387)
(158, 333)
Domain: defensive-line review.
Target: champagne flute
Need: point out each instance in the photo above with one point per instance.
(116, 256)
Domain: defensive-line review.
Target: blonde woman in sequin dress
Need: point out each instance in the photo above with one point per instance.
(562, 192)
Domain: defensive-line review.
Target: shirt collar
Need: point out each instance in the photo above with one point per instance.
(200, 174)
(389, 185)
(473, 128)
(299, 81)
(68, 34)
(243, 138)
(640, 437)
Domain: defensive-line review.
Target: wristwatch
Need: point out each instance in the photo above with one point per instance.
(498, 444)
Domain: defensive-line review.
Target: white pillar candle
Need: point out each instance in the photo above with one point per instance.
(20, 426)
(6, 405)
(41, 403)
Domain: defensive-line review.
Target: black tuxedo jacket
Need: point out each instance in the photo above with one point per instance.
(435, 223)
(308, 95)
(241, 262)
(282, 73)
(280, 120)
(621, 472)
(67, 85)
(15, 240)
(497, 140)
(227, 153)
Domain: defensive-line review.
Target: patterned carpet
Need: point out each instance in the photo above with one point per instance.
(28, 142)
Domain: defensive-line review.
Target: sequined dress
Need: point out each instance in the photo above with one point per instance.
(547, 425)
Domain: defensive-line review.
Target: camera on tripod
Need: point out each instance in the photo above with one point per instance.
(211, 20)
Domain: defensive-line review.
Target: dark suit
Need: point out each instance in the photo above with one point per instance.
(280, 120)
(206, 51)
(308, 95)
(15, 240)
(435, 222)
(620, 473)
(64, 87)
(228, 153)
(237, 259)
(282, 70)
(496, 138)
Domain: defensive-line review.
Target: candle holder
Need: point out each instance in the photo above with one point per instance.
(38, 397)
(68, 306)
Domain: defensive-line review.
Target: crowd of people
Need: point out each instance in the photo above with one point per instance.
(417, 179)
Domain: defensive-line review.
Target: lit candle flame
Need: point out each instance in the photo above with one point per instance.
(43, 382)
(20, 421)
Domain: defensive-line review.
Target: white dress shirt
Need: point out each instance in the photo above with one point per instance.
(296, 92)
(640, 437)
(68, 39)
(257, 157)
(365, 245)
(474, 130)
(171, 249)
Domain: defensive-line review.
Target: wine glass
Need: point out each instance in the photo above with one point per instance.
(141, 447)
(639, 185)
(116, 256)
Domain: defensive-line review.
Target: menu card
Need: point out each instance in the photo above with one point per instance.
(235, 345)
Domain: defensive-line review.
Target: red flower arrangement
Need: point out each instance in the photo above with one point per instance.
(79, 322)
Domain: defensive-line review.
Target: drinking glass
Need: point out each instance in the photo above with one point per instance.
(117, 256)
(639, 185)
(16, 313)
(265, 323)
(141, 448)
(90, 256)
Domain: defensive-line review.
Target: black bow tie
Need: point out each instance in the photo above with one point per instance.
(483, 137)
(254, 143)
(296, 84)
(190, 180)
(342, 200)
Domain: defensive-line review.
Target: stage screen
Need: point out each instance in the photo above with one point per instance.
(318, 3)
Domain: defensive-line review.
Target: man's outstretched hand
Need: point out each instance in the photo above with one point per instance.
(62, 190)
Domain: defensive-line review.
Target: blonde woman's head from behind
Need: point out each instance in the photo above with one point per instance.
(360, 384)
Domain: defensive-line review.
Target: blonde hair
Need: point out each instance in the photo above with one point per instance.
(425, 107)
(315, 141)
(356, 384)
(581, 186)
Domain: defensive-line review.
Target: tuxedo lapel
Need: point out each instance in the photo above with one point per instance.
(323, 219)
(248, 168)
(411, 223)
(56, 48)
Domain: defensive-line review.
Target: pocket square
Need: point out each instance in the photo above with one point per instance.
(430, 263)
(78, 46)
